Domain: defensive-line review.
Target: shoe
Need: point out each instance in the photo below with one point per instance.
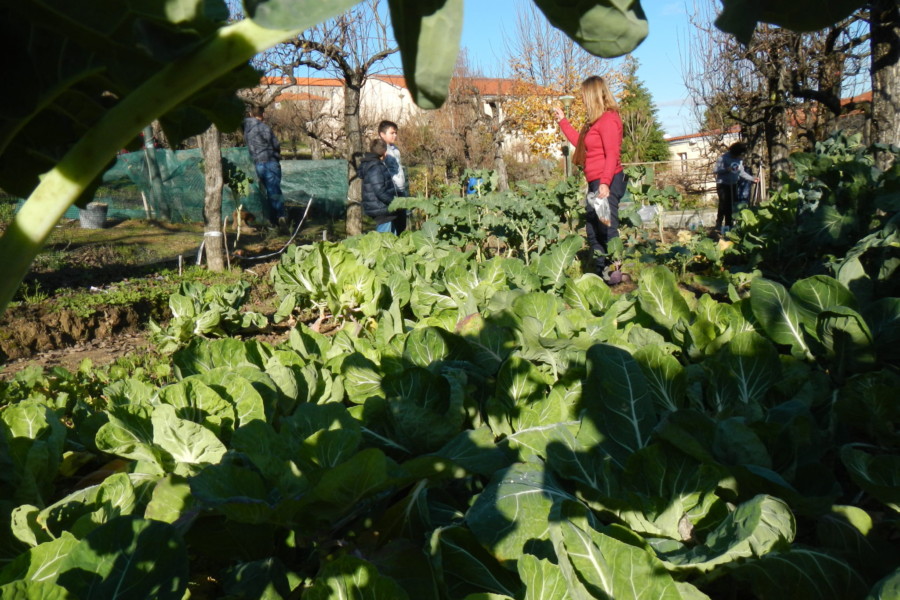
(282, 224)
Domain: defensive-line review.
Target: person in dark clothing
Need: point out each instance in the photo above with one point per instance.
(730, 170)
(378, 189)
(265, 151)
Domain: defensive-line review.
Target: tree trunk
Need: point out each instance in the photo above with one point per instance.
(212, 206)
(354, 150)
(885, 76)
(157, 193)
(777, 124)
(500, 167)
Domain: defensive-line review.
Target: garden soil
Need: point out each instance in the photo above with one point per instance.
(46, 338)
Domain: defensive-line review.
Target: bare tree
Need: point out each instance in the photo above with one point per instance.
(546, 64)
(784, 89)
(461, 134)
(885, 23)
(350, 47)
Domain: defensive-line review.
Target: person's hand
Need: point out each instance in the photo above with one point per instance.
(756, 180)
(603, 191)
(560, 115)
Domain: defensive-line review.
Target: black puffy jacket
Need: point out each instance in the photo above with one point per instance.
(377, 188)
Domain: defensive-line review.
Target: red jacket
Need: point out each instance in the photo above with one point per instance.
(603, 146)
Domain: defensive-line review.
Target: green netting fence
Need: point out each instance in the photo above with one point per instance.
(126, 187)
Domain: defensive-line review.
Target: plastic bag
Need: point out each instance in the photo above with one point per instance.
(647, 213)
(600, 206)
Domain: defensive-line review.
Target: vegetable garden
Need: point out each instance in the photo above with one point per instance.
(495, 424)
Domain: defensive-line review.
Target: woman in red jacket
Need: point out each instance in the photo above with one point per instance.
(598, 149)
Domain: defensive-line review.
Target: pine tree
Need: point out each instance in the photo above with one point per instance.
(643, 135)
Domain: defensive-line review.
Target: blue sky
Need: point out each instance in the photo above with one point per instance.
(660, 55)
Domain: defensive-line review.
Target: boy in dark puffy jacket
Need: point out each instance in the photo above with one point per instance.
(378, 188)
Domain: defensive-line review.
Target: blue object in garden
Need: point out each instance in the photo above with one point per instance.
(474, 182)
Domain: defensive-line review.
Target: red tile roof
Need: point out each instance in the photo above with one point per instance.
(303, 97)
(486, 86)
(678, 138)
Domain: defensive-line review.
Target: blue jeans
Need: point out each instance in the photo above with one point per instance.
(386, 227)
(270, 175)
(599, 234)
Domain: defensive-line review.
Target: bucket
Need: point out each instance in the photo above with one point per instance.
(93, 216)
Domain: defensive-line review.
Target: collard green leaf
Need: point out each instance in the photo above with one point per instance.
(754, 529)
(408, 564)
(737, 443)
(849, 532)
(490, 343)
(534, 441)
(185, 441)
(751, 367)
(427, 410)
(476, 451)
(886, 589)
(616, 396)
(361, 378)
(466, 566)
(609, 568)
(326, 435)
(883, 318)
(129, 434)
(778, 314)
(520, 382)
(540, 307)
(588, 292)
(665, 377)
(103, 50)
(868, 403)
(197, 402)
(128, 558)
(353, 481)
(265, 579)
(847, 340)
(115, 497)
(820, 292)
(660, 493)
(235, 490)
(801, 573)
(247, 402)
(514, 509)
(542, 579)
(200, 356)
(877, 475)
(428, 34)
(171, 498)
(34, 590)
(659, 297)
(426, 346)
(740, 18)
(24, 525)
(34, 437)
(609, 28)
(41, 563)
(552, 265)
(350, 577)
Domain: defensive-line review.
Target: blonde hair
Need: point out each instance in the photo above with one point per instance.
(597, 100)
